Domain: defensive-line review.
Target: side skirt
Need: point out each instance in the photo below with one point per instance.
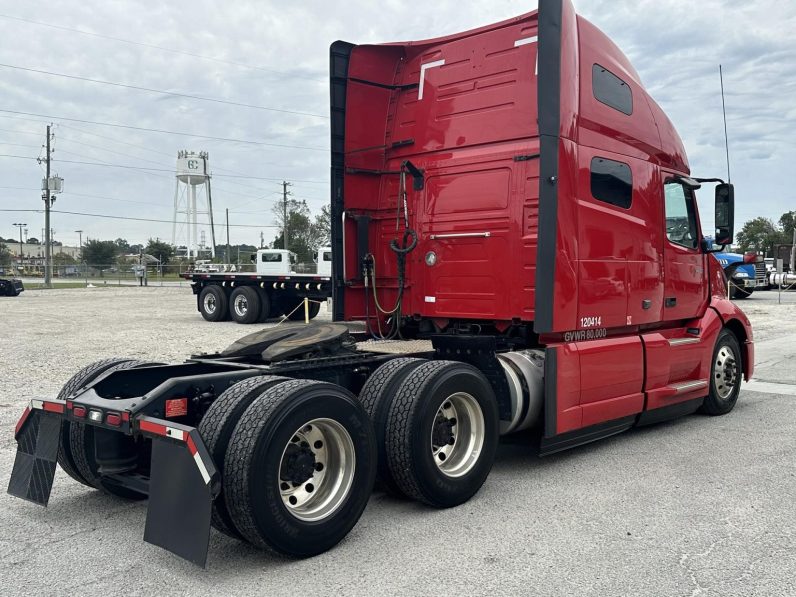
(666, 413)
(565, 441)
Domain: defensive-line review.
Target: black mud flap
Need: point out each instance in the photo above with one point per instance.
(183, 483)
(38, 436)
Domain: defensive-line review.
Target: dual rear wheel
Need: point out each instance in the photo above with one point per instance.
(248, 304)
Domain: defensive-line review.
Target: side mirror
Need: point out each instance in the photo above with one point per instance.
(724, 213)
(253, 257)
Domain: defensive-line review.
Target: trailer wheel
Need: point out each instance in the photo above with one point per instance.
(442, 433)
(266, 307)
(80, 379)
(213, 303)
(725, 378)
(81, 444)
(300, 468)
(244, 305)
(216, 428)
(376, 396)
(298, 314)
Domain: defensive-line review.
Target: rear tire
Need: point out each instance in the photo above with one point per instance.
(298, 314)
(213, 303)
(300, 468)
(244, 305)
(442, 433)
(265, 305)
(80, 379)
(216, 429)
(725, 375)
(81, 444)
(376, 396)
(740, 293)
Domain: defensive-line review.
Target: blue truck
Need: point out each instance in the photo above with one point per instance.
(745, 277)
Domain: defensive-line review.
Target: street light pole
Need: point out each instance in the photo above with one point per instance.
(21, 254)
(80, 232)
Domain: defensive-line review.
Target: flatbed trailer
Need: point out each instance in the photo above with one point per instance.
(248, 297)
(515, 246)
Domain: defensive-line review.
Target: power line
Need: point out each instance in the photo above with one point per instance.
(147, 168)
(164, 131)
(160, 91)
(80, 213)
(156, 47)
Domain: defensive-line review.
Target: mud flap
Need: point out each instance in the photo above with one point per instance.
(183, 483)
(38, 436)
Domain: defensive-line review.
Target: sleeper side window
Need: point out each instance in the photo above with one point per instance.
(271, 257)
(611, 182)
(611, 90)
(681, 224)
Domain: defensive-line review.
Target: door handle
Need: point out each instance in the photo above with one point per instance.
(670, 301)
(461, 235)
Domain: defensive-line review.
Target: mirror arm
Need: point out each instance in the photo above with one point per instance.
(709, 180)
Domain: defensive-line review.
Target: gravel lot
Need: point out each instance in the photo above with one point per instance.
(698, 506)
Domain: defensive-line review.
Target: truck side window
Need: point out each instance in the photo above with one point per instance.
(611, 90)
(271, 257)
(681, 225)
(611, 182)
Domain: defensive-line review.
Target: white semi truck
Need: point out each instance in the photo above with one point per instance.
(273, 289)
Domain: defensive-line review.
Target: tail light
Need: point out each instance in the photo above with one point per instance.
(114, 419)
(79, 412)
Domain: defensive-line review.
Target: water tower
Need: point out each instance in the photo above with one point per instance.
(190, 202)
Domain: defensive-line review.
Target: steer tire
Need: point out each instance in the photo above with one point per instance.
(442, 399)
(216, 428)
(244, 305)
(725, 375)
(267, 450)
(81, 445)
(213, 303)
(298, 314)
(376, 396)
(266, 307)
(80, 379)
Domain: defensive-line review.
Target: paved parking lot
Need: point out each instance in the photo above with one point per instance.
(698, 506)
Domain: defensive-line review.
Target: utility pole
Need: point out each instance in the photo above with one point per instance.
(285, 193)
(21, 254)
(48, 265)
(261, 239)
(80, 232)
(228, 257)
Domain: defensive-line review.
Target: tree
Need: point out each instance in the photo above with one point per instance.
(323, 227)
(122, 244)
(787, 222)
(759, 234)
(304, 235)
(62, 258)
(5, 254)
(99, 253)
(163, 252)
(32, 240)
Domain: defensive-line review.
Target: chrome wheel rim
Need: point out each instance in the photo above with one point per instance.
(725, 372)
(241, 305)
(316, 470)
(457, 434)
(210, 303)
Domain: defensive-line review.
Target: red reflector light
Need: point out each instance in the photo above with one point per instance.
(79, 412)
(176, 407)
(114, 419)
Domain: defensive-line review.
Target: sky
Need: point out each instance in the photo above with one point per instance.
(273, 56)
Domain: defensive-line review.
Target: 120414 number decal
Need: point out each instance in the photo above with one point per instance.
(593, 321)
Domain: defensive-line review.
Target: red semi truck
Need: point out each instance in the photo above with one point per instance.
(514, 211)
